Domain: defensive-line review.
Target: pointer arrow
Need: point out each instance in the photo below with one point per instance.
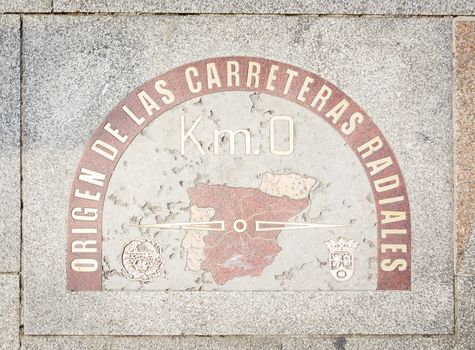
(194, 225)
(280, 225)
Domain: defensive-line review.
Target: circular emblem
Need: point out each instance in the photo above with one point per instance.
(141, 259)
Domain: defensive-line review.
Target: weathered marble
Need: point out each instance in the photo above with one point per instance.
(78, 67)
(10, 143)
(301, 262)
(464, 146)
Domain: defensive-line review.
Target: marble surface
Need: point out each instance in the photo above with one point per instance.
(340, 193)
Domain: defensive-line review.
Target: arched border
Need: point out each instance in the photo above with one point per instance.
(129, 117)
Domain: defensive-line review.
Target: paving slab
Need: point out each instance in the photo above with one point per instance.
(9, 312)
(398, 7)
(463, 339)
(10, 143)
(466, 309)
(464, 106)
(367, 343)
(26, 5)
(77, 68)
(163, 343)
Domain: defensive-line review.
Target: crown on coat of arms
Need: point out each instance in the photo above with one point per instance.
(341, 244)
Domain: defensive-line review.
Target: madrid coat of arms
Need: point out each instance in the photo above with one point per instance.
(342, 265)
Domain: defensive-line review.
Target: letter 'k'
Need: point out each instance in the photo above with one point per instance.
(189, 134)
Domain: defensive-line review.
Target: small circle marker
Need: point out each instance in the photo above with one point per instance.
(240, 225)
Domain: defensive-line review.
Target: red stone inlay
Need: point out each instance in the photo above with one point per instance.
(388, 241)
(231, 254)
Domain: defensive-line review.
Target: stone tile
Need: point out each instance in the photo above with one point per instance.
(464, 107)
(466, 309)
(466, 257)
(463, 339)
(10, 143)
(25, 5)
(420, 7)
(145, 343)
(370, 343)
(9, 312)
(78, 67)
(64, 342)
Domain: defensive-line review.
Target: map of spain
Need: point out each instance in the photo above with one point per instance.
(241, 249)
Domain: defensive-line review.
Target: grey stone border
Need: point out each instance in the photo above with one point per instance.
(355, 7)
(462, 339)
(464, 145)
(284, 7)
(10, 194)
(426, 309)
(25, 6)
(9, 311)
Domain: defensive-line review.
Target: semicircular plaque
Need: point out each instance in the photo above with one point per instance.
(238, 173)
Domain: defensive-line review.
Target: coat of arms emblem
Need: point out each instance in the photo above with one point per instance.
(341, 259)
(141, 259)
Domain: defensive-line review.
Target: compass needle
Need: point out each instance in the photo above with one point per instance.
(192, 225)
(280, 225)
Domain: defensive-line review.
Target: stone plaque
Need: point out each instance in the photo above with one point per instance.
(238, 174)
(212, 175)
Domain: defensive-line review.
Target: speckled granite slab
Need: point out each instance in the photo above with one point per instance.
(77, 69)
(350, 7)
(10, 144)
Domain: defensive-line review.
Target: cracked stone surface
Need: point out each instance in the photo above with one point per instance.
(166, 196)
